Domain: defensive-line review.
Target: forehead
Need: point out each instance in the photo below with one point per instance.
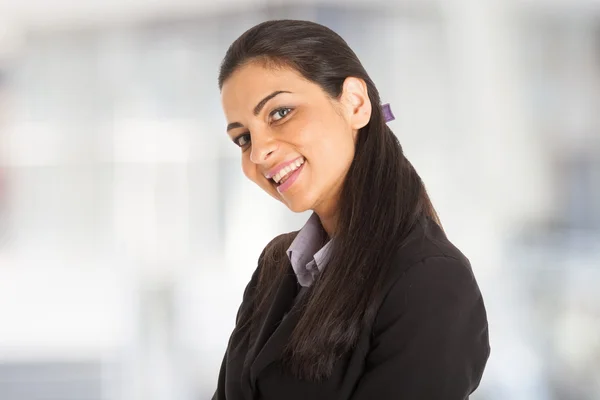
(251, 83)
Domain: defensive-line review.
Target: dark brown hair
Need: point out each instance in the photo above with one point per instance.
(382, 198)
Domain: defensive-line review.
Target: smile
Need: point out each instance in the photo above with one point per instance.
(286, 178)
(285, 173)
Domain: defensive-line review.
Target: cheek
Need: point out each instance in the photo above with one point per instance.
(334, 150)
(335, 161)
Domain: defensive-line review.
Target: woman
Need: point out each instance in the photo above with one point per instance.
(369, 300)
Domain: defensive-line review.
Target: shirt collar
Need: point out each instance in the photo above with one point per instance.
(305, 249)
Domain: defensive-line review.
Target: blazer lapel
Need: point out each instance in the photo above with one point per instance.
(274, 333)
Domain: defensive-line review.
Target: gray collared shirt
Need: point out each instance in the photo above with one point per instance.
(305, 254)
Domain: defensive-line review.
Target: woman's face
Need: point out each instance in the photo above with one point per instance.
(297, 143)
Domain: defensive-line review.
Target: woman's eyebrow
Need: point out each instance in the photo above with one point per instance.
(234, 125)
(262, 103)
(257, 109)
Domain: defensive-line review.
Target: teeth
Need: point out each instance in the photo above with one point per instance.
(290, 168)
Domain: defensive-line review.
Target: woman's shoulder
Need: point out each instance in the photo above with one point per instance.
(426, 241)
(273, 254)
(429, 259)
(430, 283)
(276, 249)
(432, 323)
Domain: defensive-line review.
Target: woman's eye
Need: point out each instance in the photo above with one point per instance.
(280, 113)
(242, 140)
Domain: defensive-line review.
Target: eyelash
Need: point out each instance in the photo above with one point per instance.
(275, 111)
(239, 137)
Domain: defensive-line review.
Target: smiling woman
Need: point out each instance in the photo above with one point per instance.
(276, 127)
(369, 300)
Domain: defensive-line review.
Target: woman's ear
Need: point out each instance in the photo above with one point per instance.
(355, 98)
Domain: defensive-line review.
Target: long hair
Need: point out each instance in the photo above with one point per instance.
(381, 200)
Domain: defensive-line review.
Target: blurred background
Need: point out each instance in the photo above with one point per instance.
(128, 231)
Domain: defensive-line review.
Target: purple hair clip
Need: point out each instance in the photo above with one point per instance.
(387, 113)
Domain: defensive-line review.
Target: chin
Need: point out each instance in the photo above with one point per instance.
(298, 206)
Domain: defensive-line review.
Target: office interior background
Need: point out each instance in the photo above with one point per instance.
(128, 231)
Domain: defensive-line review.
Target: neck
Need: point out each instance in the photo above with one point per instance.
(328, 221)
(328, 213)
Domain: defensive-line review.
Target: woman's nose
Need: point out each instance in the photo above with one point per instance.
(263, 147)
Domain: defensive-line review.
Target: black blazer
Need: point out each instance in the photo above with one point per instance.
(429, 339)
